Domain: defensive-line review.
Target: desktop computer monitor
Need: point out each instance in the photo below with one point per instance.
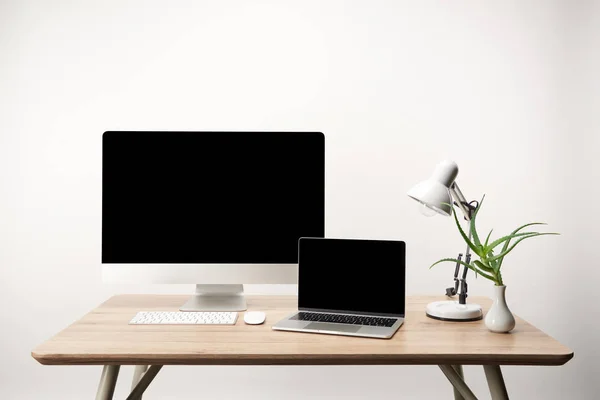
(215, 209)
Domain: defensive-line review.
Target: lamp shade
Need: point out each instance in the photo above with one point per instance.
(434, 193)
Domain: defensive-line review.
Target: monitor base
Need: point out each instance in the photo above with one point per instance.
(216, 298)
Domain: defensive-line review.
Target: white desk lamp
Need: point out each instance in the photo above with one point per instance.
(437, 194)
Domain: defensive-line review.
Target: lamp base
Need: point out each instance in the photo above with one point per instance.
(453, 311)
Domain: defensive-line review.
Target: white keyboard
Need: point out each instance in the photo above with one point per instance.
(183, 318)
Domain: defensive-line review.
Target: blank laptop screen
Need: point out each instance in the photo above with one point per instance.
(360, 276)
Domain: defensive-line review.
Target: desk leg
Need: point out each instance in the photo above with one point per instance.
(108, 381)
(458, 382)
(493, 374)
(459, 371)
(137, 376)
(142, 385)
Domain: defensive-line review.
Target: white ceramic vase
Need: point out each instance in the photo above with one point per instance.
(499, 319)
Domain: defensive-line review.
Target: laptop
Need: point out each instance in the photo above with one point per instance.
(349, 287)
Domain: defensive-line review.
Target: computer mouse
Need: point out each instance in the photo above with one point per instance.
(254, 317)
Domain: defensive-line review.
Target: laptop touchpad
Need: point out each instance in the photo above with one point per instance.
(324, 326)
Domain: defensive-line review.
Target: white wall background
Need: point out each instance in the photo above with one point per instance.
(509, 89)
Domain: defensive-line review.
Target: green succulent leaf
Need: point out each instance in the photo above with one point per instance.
(507, 238)
(483, 267)
(504, 253)
(472, 226)
(492, 263)
(513, 232)
(471, 267)
(476, 249)
(480, 272)
(499, 282)
(487, 239)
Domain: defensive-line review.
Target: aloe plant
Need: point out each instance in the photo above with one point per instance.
(489, 264)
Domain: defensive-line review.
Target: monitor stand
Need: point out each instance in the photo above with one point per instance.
(216, 298)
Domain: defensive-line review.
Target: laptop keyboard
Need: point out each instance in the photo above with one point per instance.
(345, 319)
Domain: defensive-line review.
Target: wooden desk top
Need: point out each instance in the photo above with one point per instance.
(103, 336)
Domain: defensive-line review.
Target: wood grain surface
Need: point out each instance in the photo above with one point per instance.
(103, 336)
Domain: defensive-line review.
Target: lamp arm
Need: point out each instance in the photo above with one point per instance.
(461, 201)
(462, 293)
(467, 210)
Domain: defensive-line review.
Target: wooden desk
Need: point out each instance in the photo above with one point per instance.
(103, 337)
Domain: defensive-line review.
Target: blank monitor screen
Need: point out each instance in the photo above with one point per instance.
(360, 276)
(211, 197)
